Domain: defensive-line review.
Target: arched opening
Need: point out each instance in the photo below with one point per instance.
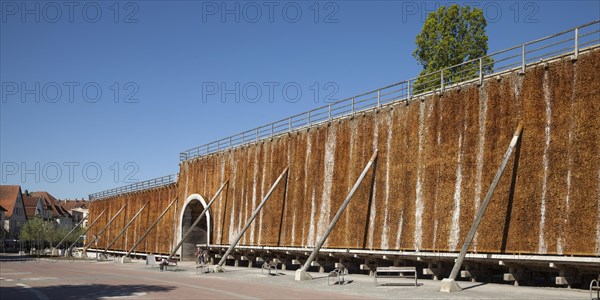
(200, 234)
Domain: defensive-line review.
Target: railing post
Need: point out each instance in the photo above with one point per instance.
(442, 81)
(243, 138)
(378, 99)
(308, 115)
(218, 145)
(408, 90)
(257, 134)
(352, 105)
(272, 129)
(480, 71)
(329, 112)
(576, 42)
(290, 124)
(230, 141)
(523, 59)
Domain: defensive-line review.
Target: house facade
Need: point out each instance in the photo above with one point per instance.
(53, 209)
(34, 207)
(78, 209)
(11, 199)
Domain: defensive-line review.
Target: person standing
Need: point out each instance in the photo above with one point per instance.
(200, 255)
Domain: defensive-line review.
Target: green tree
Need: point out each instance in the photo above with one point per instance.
(39, 230)
(451, 36)
(62, 233)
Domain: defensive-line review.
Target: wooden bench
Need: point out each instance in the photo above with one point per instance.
(400, 270)
(171, 265)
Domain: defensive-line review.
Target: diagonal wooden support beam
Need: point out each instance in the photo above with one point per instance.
(72, 230)
(126, 226)
(301, 273)
(449, 284)
(198, 219)
(150, 228)
(105, 227)
(89, 227)
(254, 214)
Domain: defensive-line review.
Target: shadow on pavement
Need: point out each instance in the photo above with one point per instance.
(474, 286)
(87, 291)
(9, 258)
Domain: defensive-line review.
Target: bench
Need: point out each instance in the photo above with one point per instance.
(270, 266)
(202, 267)
(171, 264)
(595, 286)
(400, 270)
(338, 274)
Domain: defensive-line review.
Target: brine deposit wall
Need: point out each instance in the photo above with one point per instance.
(437, 158)
(159, 240)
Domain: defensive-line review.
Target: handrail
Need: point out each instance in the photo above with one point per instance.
(138, 186)
(474, 69)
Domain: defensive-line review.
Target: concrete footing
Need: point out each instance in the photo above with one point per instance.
(302, 275)
(125, 259)
(450, 286)
(219, 269)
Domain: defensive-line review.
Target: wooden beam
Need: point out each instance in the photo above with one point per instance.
(89, 227)
(126, 226)
(314, 253)
(185, 235)
(452, 286)
(150, 228)
(72, 230)
(254, 214)
(97, 236)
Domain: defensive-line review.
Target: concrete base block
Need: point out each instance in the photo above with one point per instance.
(450, 286)
(219, 269)
(302, 275)
(508, 277)
(125, 260)
(55, 252)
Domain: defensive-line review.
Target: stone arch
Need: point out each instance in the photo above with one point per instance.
(193, 206)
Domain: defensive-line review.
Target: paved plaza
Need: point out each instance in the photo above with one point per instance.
(61, 279)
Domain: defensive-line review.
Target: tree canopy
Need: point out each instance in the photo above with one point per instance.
(451, 36)
(38, 229)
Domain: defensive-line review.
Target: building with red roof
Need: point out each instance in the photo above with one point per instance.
(11, 200)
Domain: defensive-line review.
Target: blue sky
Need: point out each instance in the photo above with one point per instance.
(155, 61)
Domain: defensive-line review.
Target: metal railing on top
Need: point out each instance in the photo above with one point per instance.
(138, 186)
(572, 40)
